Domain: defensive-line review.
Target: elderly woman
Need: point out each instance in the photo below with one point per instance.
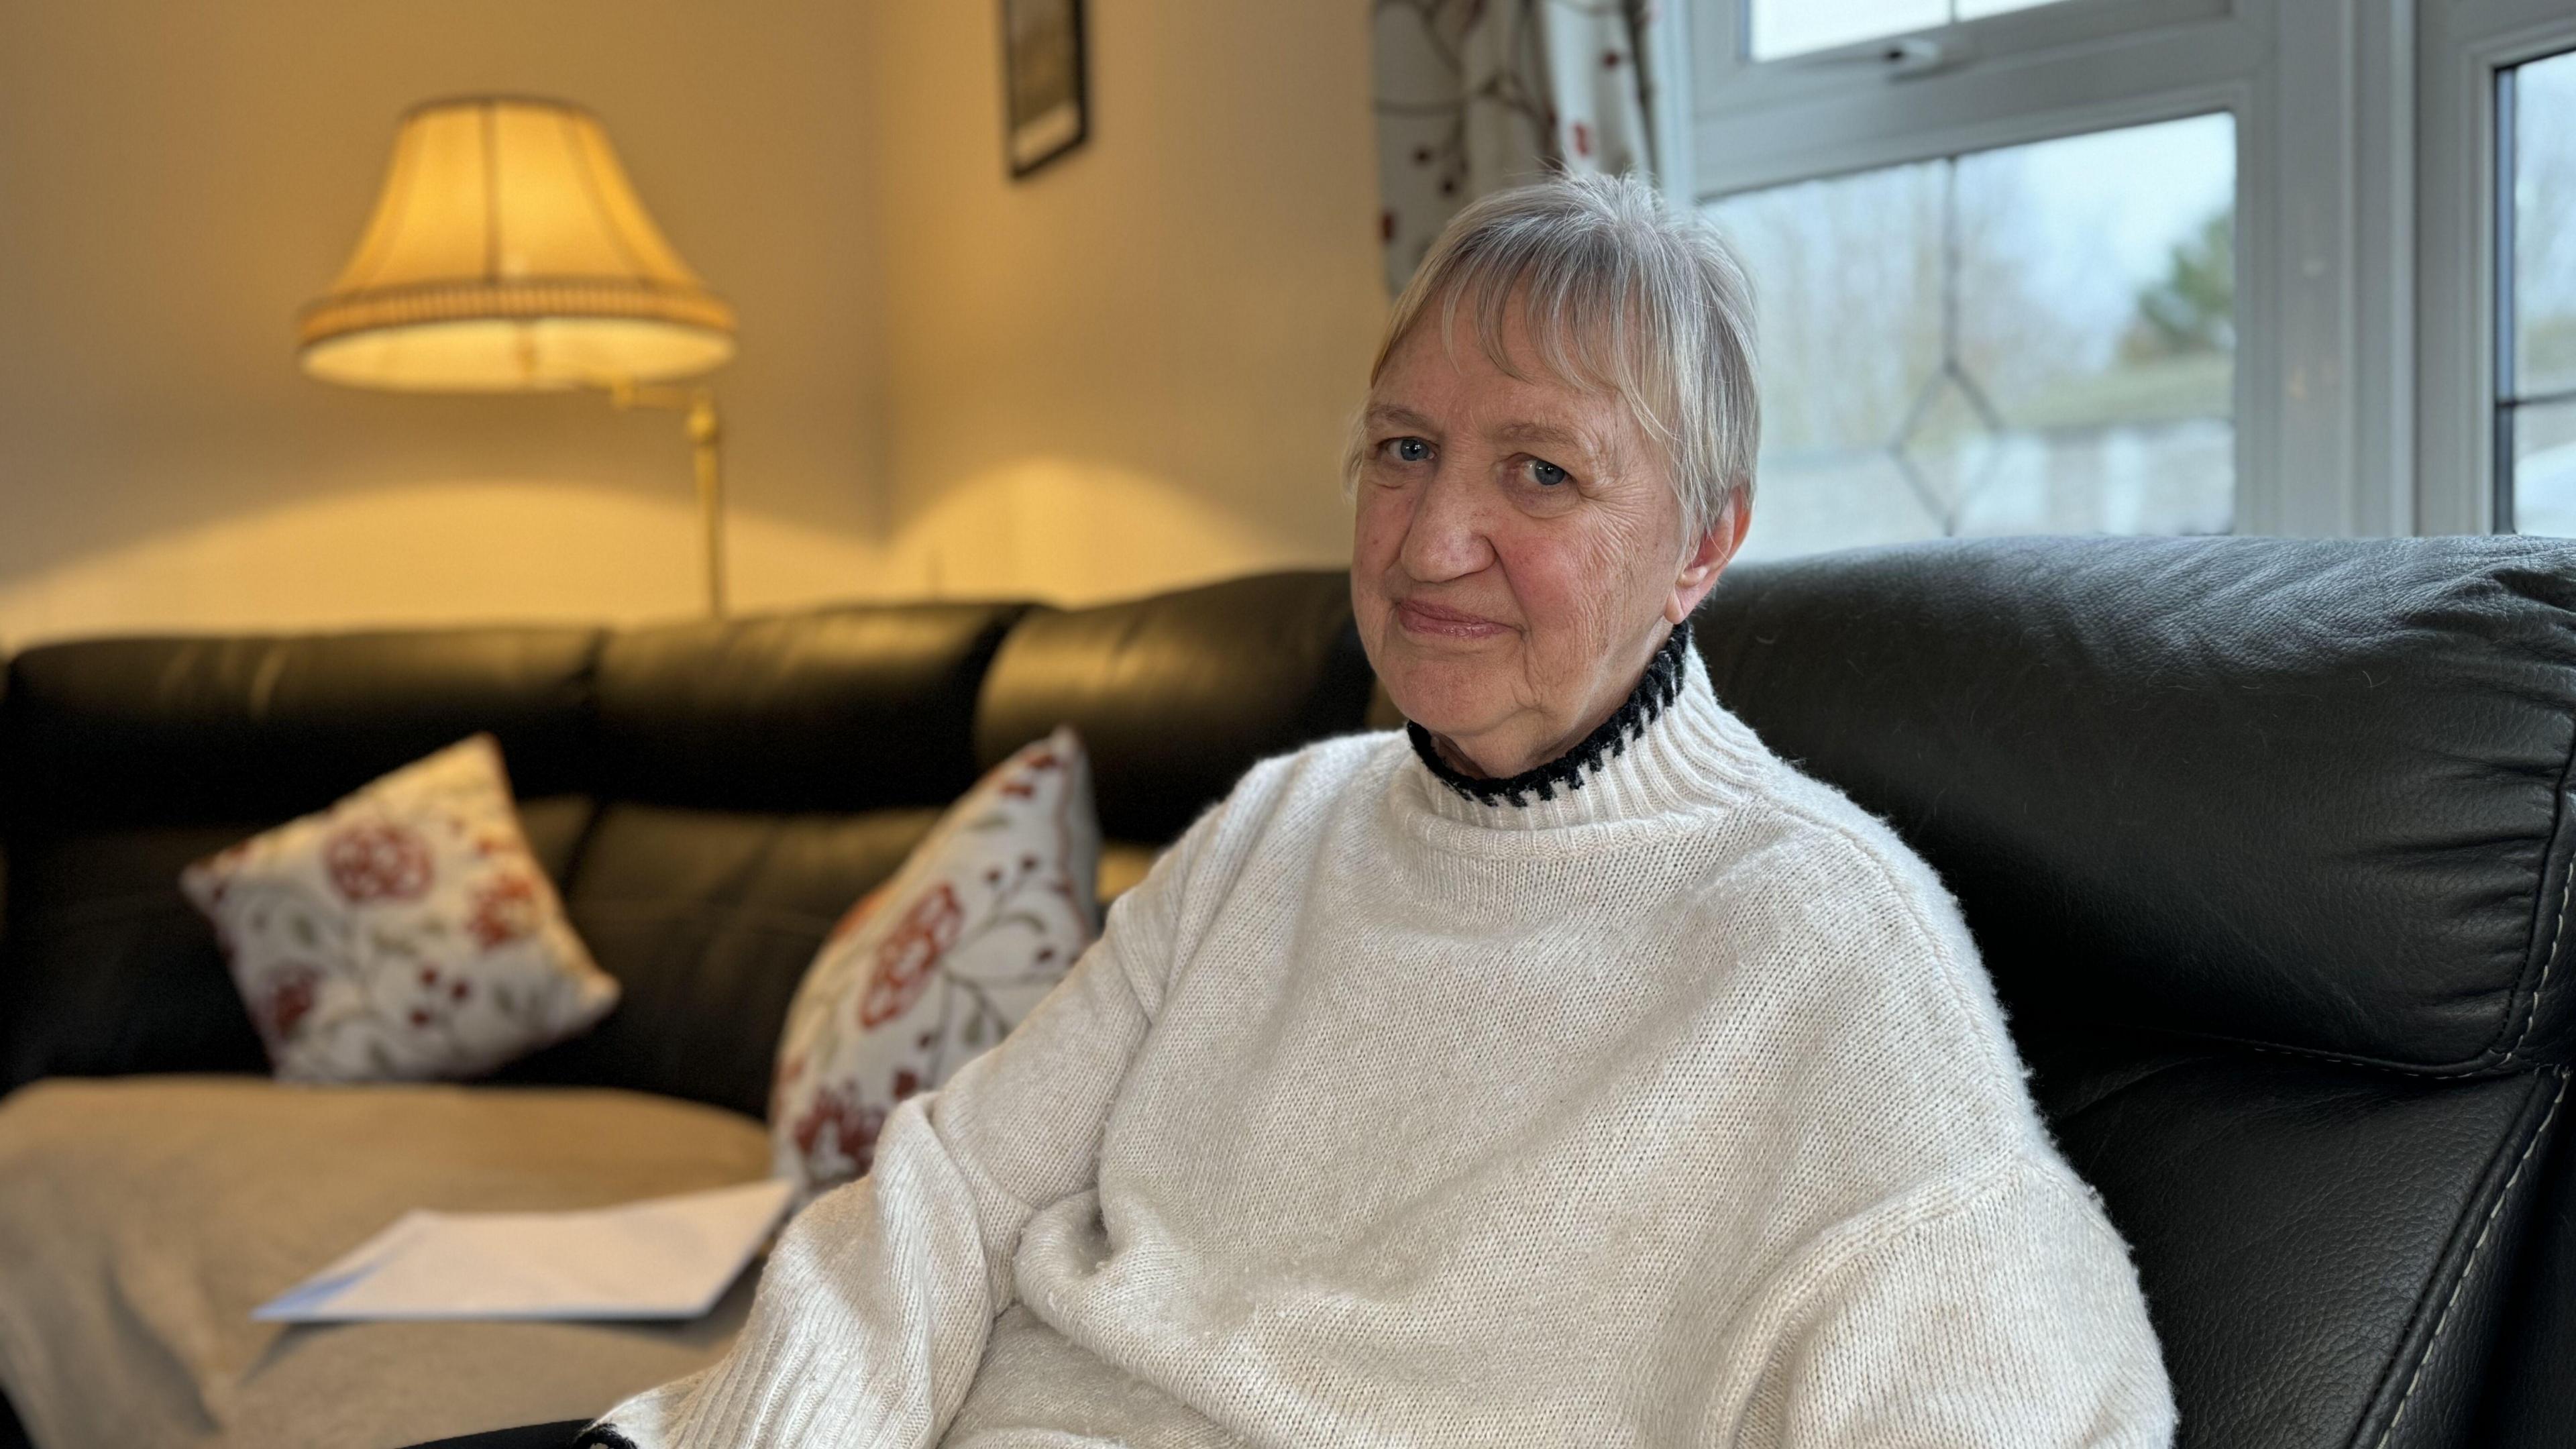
(1566, 1069)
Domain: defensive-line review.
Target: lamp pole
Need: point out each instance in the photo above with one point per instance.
(706, 443)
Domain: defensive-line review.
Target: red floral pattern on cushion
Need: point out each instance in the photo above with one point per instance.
(508, 907)
(378, 860)
(405, 933)
(837, 1136)
(286, 996)
(939, 963)
(909, 955)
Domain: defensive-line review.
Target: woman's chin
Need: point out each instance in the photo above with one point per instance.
(1451, 703)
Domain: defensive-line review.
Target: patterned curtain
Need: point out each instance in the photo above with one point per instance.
(1477, 95)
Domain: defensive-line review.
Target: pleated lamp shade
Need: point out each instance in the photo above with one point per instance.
(508, 252)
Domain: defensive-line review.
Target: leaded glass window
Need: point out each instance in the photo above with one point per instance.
(2034, 339)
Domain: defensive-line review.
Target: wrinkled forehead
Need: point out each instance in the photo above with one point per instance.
(1584, 338)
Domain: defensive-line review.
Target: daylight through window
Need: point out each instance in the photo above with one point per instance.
(2036, 339)
(1794, 27)
(2536, 295)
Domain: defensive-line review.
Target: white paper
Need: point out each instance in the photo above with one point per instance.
(671, 1257)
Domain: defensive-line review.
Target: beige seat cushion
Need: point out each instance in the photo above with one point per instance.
(142, 1218)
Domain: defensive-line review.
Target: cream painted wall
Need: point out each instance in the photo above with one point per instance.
(1128, 372)
(176, 179)
(1133, 369)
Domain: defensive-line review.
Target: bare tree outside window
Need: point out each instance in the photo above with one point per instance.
(2034, 339)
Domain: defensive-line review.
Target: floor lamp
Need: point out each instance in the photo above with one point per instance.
(509, 253)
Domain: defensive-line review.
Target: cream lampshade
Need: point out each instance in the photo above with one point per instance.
(509, 253)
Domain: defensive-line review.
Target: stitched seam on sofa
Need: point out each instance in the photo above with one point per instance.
(2558, 937)
(2559, 826)
(2345, 1059)
(2320, 1054)
(2468, 1269)
(2477, 1068)
(2557, 943)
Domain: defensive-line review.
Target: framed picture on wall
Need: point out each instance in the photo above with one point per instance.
(1047, 112)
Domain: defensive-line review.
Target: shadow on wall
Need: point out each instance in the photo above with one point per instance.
(1074, 532)
(499, 550)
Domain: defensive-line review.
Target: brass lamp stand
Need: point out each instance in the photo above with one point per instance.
(508, 252)
(706, 442)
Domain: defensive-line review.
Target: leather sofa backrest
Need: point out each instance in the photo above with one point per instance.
(755, 777)
(160, 731)
(122, 760)
(838, 709)
(2307, 795)
(710, 797)
(1176, 694)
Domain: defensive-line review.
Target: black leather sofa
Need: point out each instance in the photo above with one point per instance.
(2266, 842)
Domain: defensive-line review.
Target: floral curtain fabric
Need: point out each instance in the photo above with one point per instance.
(1477, 95)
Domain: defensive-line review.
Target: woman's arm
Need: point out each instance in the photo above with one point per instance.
(1999, 1311)
(873, 1311)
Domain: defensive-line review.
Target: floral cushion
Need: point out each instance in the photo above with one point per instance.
(405, 933)
(940, 962)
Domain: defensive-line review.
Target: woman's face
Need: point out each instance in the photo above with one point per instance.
(1517, 554)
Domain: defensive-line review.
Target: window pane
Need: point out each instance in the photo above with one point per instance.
(2544, 226)
(2039, 339)
(1794, 27)
(2544, 469)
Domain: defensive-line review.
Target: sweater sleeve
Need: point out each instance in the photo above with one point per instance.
(1999, 1313)
(873, 1311)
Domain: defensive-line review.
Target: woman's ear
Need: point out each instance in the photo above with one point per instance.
(1708, 557)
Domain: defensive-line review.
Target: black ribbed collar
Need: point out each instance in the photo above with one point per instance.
(1656, 689)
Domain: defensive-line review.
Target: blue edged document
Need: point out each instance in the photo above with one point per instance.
(670, 1257)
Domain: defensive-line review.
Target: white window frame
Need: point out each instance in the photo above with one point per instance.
(2322, 92)
(2465, 42)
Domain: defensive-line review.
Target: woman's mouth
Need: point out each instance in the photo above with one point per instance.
(1430, 620)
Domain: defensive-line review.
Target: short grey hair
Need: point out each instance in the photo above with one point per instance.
(1619, 294)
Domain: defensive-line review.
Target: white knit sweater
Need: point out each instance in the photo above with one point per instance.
(1671, 1110)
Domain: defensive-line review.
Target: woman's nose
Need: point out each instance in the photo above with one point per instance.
(1446, 537)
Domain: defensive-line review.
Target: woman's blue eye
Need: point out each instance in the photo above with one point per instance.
(1547, 473)
(1412, 450)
